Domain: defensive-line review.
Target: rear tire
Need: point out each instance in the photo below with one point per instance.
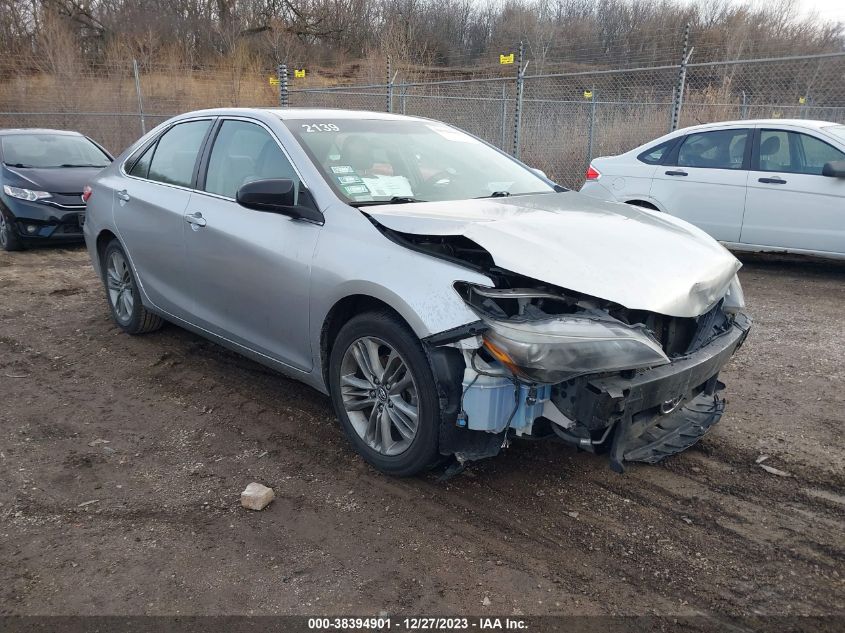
(391, 414)
(9, 241)
(122, 293)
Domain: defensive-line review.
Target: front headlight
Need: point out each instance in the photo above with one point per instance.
(25, 194)
(564, 347)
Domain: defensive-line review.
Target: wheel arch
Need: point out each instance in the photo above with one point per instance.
(341, 313)
(104, 238)
(643, 203)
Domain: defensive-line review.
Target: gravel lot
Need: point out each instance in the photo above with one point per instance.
(122, 459)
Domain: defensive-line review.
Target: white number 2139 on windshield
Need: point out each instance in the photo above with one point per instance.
(320, 127)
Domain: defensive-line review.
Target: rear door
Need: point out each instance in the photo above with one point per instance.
(149, 213)
(249, 270)
(790, 204)
(703, 181)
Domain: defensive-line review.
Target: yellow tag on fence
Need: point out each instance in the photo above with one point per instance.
(506, 59)
(299, 74)
(274, 81)
(802, 100)
(588, 94)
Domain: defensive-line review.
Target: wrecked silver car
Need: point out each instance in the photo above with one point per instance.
(447, 297)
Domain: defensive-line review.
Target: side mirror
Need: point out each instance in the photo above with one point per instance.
(834, 169)
(275, 195)
(539, 172)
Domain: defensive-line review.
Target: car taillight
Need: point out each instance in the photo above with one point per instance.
(86, 193)
(592, 173)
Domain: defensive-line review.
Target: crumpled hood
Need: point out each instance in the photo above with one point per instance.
(641, 259)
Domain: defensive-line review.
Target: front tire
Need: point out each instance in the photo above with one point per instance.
(123, 295)
(383, 392)
(9, 241)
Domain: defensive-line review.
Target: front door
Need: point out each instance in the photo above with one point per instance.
(250, 270)
(790, 204)
(703, 181)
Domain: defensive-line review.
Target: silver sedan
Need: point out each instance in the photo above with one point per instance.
(446, 296)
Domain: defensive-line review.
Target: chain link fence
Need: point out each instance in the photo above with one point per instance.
(555, 121)
(558, 122)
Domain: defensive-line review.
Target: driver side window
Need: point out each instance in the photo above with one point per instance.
(796, 153)
(244, 152)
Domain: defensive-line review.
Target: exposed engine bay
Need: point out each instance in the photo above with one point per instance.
(547, 362)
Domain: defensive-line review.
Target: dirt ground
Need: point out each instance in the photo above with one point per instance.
(122, 459)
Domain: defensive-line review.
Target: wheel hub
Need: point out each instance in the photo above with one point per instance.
(379, 395)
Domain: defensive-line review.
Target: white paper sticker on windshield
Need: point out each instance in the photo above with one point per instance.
(451, 134)
(389, 186)
(342, 169)
(356, 189)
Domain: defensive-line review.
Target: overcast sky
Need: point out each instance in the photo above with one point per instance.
(827, 9)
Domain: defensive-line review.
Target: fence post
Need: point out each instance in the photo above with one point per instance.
(592, 126)
(389, 86)
(682, 78)
(282, 76)
(140, 100)
(672, 106)
(517, 112)
(743, 113)
(504, 116)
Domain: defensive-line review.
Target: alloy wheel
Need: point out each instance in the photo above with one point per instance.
(379, 395)
(4, 235)
(119, 282)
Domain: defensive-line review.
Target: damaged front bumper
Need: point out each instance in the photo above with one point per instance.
(637, 415)
(659, 411)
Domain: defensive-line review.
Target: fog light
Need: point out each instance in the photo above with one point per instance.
(31, 229)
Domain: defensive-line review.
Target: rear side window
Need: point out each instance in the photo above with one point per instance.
(796, 153)
(654, 155)
(176, 153)
(244, 152)
(142, 165)
(720, 149)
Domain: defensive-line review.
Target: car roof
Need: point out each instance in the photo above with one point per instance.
(37, 130)
(307, 113)
(808, 123)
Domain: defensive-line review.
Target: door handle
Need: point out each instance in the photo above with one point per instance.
(122, 195)
(195, 220)
(772, 181)
(677, 173)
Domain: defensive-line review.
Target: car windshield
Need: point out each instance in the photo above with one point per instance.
(370, 161)
(51, 150)
(836, 130)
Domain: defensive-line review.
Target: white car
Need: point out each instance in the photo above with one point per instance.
(764, 185)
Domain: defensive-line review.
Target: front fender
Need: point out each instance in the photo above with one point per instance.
(353, 258)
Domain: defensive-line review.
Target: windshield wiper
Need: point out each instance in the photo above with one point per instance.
(496, 194)
(18, 165)
(81, 165)
(393, 200)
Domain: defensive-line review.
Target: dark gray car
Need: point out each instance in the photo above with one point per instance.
(43, 174)
(446, 296)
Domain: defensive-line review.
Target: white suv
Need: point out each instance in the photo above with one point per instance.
(765, 185)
